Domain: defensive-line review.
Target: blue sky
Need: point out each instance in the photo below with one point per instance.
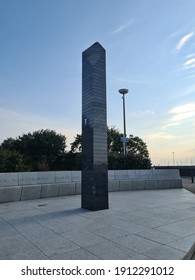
(150, 49)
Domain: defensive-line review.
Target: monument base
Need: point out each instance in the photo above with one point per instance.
(95, 203)
(94, 190)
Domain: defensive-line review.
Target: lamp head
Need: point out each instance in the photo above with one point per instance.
(123, 91)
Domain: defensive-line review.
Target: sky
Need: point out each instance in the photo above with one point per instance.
(150, 50)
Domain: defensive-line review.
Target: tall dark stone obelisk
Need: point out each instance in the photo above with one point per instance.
(94, 193)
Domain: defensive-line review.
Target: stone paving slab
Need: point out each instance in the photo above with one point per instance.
(145, 224)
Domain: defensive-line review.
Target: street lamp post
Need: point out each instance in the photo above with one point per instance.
(173, 159)
(124, 91)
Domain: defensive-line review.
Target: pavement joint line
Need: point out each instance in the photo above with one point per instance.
(72, 202)
(179, 237)
(190, 254)
(25, 237)
(69, 240)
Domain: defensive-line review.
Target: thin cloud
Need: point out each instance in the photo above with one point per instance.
(184, 40)
(181, 113)
(123, 26)
(190, 63)
(160, 136)
(190, 55)
(172, 124)
(190, 107)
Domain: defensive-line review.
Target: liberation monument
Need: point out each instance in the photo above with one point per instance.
(94, 193)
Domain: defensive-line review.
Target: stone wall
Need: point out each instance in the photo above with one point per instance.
(33, 185)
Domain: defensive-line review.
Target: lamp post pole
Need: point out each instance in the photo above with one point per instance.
(124, 91)
(173, 159)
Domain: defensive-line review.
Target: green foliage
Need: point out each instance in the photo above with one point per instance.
(45, 150)
(11, 161)
(113, 139)
(137, 152)
(39, 149)
(67, 161)
(130, 161)
(136, 146)
(76, 145)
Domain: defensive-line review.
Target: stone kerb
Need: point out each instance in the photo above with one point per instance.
(63, 176)
(49, 190)
(176, 183)
(121, 175)
(31, 192)
(10, 193)
(111, 175)
(76, 176)
(121, 180)
(27, 178)
(47, 177)
(8, 179)
(166, 174)
(38, 178)
(33, 185)
(113, 185)
(138, 185)
(140, 174)
(76, 179)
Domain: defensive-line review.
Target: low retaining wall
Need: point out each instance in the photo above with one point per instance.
(33, 185)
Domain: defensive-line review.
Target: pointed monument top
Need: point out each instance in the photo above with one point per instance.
(96, 45)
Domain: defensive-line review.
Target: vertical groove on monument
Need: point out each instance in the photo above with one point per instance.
(94, 194)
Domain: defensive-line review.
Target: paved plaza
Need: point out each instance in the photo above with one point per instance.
(150, 224)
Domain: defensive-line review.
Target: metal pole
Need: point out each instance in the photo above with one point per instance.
(124, 122)
(173, 159)
(124, 91)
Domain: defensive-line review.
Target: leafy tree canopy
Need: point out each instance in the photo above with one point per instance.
(11, 161)
(40, 148)
(76, 145)
(135, 145)
(45, 150)
(137, 152)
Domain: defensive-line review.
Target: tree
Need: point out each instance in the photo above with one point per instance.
(129, 161)
(137, 146)
(68, 161)
(137, 153)
(11, 161)
(76, 146)
(137, 156)
(45, 150)
(9, 144)
(113, 138)
(40, 149)
(114, 144)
